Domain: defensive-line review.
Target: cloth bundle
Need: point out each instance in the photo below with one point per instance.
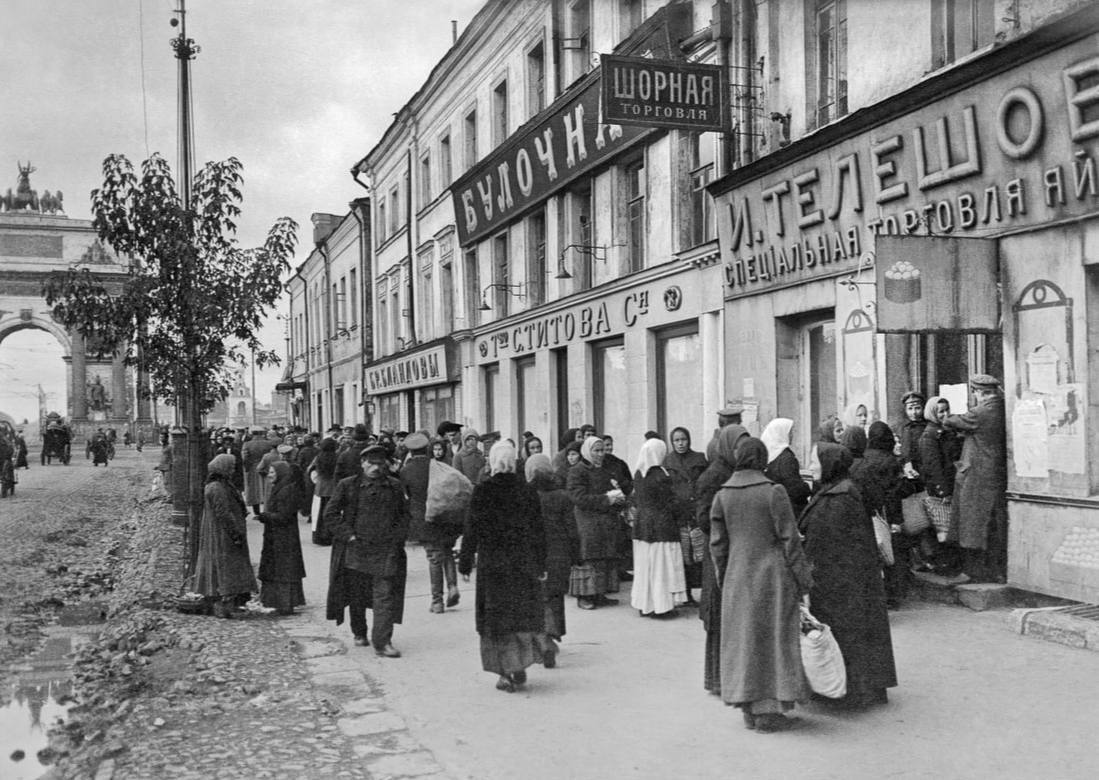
(822, 658)
(448, 494)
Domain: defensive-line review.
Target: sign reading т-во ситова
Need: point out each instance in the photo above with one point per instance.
(664, 93)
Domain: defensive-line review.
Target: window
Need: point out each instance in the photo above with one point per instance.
(383, 221)
(394, 311)
(679, 378)
(491, 375)
(425, 315)
(536, 79)
(527, 395)
(471, 139)
(426, 193)
(353, 306)
(341, 304)
(394, 210)
(436, 405)
(578, 40)
(501, 275)
(382, 336)
(337, 407)
(561, 383)
(829, 55)
(446, 172)
(632, 14)
(701, 226)
(960, 27)
(446, 286)
(609, 384)
(389, 411)
(581, 234)
(500, 113)
(634, 173)
(536, 258)
(473, 287)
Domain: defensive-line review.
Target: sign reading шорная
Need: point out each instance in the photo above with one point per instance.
(664, 93)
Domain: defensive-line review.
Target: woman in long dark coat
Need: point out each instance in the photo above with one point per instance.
(885, 472)
(223, 568)
(848, 593)
(658, 579)
(709, 604)
(506, 534)
(940, 450)
(686, 466)
(782, 464)
(562, 548)
(281, 567)
(597, 502)
(760, 563)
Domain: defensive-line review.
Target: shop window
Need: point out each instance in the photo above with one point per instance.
(612, 413)
(470, 127)
(679, 380)
(500, 113)
(536, 79)
(635, 186)
(527, 394)
(536, 258)
(389, 411)
(446, 172)
(436, 405)
(491, 378)
(960, 27)
(826, 60)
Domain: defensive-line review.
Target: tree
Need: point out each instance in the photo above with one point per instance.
(192, 300)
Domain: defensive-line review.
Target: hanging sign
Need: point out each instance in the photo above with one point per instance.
(664, 93)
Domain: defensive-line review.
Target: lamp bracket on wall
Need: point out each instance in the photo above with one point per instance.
(596, 252)
(510, 289)
(855, 281)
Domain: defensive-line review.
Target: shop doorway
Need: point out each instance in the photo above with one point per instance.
(806, 375)
(930, 362)
(612, 414)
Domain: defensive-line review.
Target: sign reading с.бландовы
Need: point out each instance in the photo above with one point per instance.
(1007, 152)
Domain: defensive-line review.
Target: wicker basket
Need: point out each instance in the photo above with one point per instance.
(192, 605)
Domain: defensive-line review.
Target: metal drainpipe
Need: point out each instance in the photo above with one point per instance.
(323, 249)
(747, 50)
(411, 276)
(308, 354)
(365, 289)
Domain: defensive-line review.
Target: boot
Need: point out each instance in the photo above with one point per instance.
(451, 575)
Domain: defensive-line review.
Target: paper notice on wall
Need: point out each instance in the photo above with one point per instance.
(1030, 438)
(1065, 413)
(749, 418)
(957, 395)
(749, 387)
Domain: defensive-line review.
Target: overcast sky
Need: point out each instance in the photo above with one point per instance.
(298, 91)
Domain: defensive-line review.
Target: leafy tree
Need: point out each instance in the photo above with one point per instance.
(192, 301)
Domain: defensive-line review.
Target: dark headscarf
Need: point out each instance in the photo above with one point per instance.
(726, 444)
(854, 439)
(835, 462)
(326, 458)
(880, 437)
(827, 430)
(284, 491)
(671, 447)
(751, 455)
(568, 437)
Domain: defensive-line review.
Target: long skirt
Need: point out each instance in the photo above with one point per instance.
(658, 579)
(594, 577)
(282, 596)
(254, 489)
(510, 653)
(555, 614)
(711, 673)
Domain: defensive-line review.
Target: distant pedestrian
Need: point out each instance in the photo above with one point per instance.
(438, 538)
(281, 566)
(20, 451)
(848, 593)
(252, 452)
(368, 518)
(685, 466)
(658, 579)
(505, 534)
(223, 568)
(598, 503)
(762, 568)
(470, 460)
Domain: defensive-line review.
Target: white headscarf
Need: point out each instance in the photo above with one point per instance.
(586, 445)
(652, 454)
(776, 436)
(501, 458)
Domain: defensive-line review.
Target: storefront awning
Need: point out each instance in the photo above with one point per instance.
(935, 283)
(291, 386)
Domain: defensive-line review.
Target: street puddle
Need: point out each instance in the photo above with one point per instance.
(39, 697)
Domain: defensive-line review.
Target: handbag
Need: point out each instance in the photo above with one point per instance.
(884, 537)
(916, 520)
(821, 657)
(938, 510)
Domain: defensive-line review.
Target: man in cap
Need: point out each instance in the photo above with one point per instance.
(730, 415)
(980, 501)
(452, 432)
(251, 454)
(368, 517)
(437, 538)
(333, 432)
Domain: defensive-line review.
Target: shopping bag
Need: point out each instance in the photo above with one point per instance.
(448, 494)
(821, 657)
(884, 537)
(699, 544)
(938, 509)
(915, 515)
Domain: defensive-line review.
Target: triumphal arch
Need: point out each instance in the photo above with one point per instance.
(37, 239)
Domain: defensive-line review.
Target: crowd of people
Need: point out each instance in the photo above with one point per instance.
(742, 525)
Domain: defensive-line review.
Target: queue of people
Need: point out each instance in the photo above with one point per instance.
(757, 537)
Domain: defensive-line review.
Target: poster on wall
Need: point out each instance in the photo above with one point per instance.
(1065, 416)
(1030, 438)
(957, 396)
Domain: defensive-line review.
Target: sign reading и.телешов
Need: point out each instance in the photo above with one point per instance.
(664, 93)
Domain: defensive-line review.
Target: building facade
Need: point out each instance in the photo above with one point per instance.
(908, 226)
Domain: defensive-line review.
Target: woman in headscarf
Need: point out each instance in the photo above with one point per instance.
(658, 579)
(439, 448)
(223, 568)
(506, 534)
(847, 592)
(855, 415)
(571, 452)
(532, 445)
(854, 440)
(883, 473)
(323, 475)
(562, 548)
(567, 438)
(828, 431)
(709, 603)
(470, 460)
(782, 464)
(759, 561)
(597, 503)
(685, 467)
(281, 567)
